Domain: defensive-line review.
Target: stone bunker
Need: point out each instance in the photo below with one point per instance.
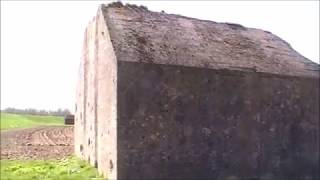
(163, 96)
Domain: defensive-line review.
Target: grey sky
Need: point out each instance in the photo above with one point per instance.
(41, 41)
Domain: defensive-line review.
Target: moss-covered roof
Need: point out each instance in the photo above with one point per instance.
(139, 35)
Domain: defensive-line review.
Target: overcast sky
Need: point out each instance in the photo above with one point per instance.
(41, 41)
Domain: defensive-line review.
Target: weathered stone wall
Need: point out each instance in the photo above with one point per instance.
(107, 102)
(79, 124)
(91, 105)
(85, 120)
(194, 123)
(95, 115)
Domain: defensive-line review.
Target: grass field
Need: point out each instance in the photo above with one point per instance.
(10, 121)
(70, 168)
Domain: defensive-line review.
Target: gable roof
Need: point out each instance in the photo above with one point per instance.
(139, 35)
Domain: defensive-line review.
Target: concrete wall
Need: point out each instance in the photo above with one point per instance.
(79, 124)
(194, 123)
(95, 117)
(107, 102)
(85, 107)
(90, 110)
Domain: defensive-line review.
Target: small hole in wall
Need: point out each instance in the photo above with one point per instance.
(89, 142)
(81, 148)
(111, 165)
(102, 33)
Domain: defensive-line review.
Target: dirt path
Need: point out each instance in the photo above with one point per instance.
(37, 143)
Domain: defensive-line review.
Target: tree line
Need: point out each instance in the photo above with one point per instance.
(32, 111)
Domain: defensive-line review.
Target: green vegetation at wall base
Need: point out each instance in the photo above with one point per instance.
(70, 168)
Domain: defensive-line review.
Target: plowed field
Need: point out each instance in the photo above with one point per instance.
(53, 142)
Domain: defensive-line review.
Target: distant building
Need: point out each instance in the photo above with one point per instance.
(170, 97)
(69, 119)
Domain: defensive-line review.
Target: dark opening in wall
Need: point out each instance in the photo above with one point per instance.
(81, 148)
(96, 164)
(111, 165)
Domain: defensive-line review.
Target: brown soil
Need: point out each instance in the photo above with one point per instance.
(37, 143)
